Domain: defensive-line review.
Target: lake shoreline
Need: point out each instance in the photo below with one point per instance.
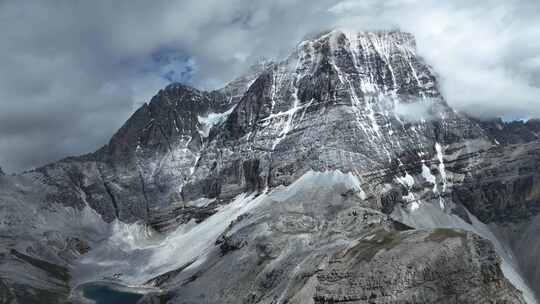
(96, 292)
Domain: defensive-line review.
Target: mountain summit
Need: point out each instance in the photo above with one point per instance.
(338, 174)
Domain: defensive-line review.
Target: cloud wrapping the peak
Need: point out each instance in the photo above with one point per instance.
(73, 71)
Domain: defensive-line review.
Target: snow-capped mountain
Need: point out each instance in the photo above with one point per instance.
(338, 174)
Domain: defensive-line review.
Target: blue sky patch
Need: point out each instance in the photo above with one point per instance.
(172, 66)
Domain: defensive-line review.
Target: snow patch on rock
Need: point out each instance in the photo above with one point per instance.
(212, 119)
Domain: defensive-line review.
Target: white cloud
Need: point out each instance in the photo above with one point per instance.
(415, 111)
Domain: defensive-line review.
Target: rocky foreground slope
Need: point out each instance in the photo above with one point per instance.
(339, 174)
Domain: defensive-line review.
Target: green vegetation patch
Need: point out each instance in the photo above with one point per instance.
(441, 234)
(367, 249)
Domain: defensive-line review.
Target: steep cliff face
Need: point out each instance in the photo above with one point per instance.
(342, 101)
(324, 177)
(514, 132)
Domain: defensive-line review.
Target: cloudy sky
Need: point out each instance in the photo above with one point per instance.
(73, 71)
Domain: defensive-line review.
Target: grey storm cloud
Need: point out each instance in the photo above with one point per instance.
(73, 71)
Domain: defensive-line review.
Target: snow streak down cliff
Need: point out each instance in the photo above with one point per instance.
(360, 106)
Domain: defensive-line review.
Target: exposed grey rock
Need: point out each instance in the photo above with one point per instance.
(439, 266)
(514, 132)
(502, 184)
(322, 245)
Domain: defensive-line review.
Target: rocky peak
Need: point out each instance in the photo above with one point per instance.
(376, 76)
(382, 61)
(1, 172)
(372, 72)
(366, 69)
(348, 101)
(512, 132)
(171, 116)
